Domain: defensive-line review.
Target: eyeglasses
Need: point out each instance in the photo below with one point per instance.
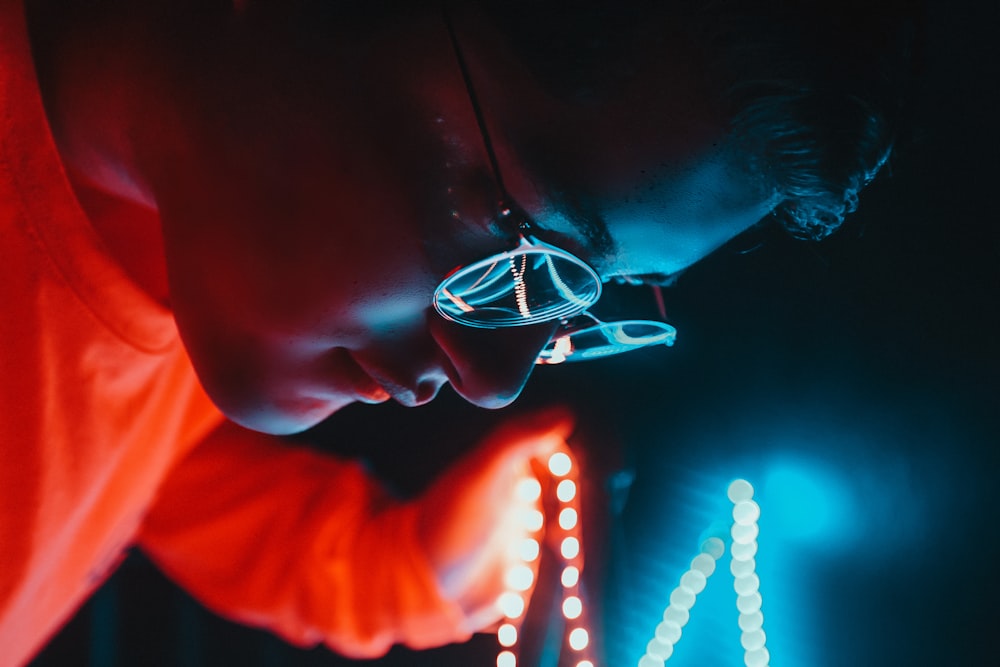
(536, 282)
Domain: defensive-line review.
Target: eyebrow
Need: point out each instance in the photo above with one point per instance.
(593, 227)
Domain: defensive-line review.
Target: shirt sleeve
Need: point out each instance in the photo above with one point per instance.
(301, 543)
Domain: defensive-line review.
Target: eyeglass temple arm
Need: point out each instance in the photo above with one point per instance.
(476, 109)
(658, 295)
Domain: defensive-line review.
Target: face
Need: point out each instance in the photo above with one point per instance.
(311, 203)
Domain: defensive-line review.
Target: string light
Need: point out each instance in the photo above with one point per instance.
(572, 607)
(529, 550)
(520, 577)
(579, 639)
(567, 518)
(560, 464)
(743, 549)
(511, 605)
(529, 489)
(746, 583)
(682, 599)
(507, 635)
(566, 491)
(570, 548)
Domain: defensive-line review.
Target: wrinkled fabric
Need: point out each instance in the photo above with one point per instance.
(106, 435)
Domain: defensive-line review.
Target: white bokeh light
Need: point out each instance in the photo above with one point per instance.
(747, 604)
(567, 518)
(740, 490)
(757, 658)
(746, 512)
(529, 490)
(752, 621)
(659, 650)
(519, 578)
(570, 548)
(560, 464)
(682, 598)
(743, 533)
(741, 568)
(532, 520)
(693, 581)
(511, 604)
(650, 661)
(668, 632)
(753, 640)
(579, 639)
(566, 490)
(743, 551)
(677, 615)
(572, 607)
(507, 635)
(714, 547)
(703, 563)
(529, 549)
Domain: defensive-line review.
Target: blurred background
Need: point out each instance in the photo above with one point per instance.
(853, 382)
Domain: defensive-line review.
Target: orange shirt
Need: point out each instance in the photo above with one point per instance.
(106, 437)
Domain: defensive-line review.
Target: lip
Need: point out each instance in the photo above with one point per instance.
(365, 387)
(373, 396)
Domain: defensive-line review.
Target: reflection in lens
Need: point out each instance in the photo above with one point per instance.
(529, 285)
(605, 339)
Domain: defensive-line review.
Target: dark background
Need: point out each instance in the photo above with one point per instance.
(870, 358)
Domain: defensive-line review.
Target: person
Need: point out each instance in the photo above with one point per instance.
(224, 222)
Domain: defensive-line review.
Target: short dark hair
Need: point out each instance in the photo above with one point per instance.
(813, 90)
(817, 93)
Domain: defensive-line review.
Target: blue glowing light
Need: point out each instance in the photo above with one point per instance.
(746, 585)
(808, 502)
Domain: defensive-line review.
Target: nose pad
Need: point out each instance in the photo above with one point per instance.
(491, 365)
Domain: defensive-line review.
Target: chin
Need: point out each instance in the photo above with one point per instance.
(288, 417)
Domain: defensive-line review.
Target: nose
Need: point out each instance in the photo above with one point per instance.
(409, 369)
(491, 366)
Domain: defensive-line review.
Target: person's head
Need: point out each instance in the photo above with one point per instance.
(318, 168)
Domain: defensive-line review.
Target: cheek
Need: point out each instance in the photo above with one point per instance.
(672, 218)
(386, 282)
